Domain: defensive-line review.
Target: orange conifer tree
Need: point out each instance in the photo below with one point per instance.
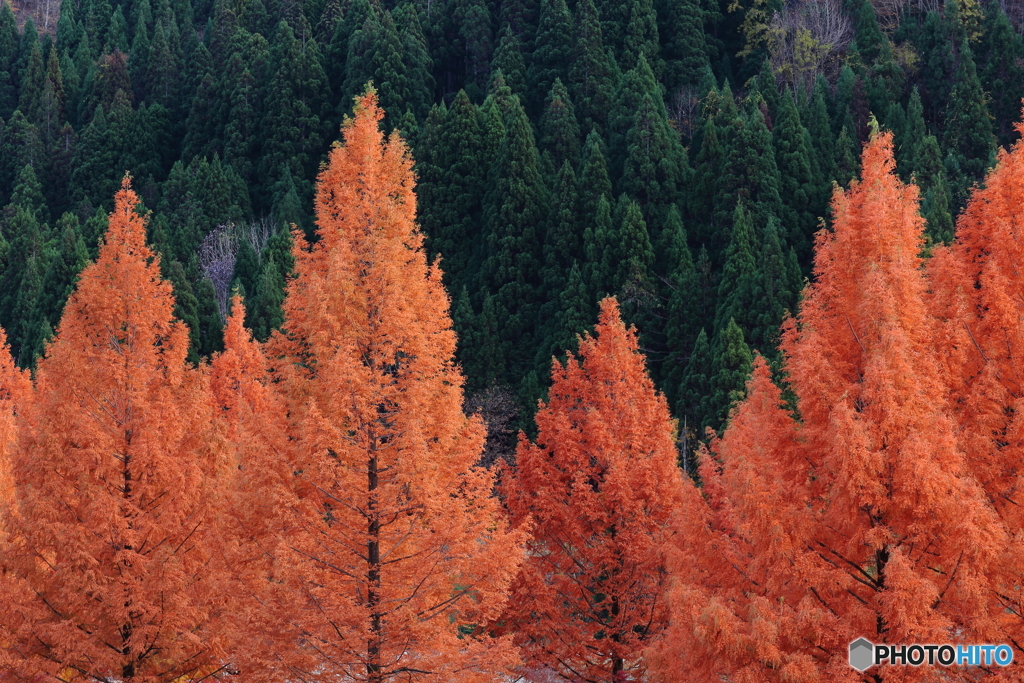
(114, 485)
(251, 423)
(602, 488)
(15, 393)
(976, 285)
(397, 555)
(863, 519)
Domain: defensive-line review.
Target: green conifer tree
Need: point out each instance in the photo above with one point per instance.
(551, 53)
(695, 389)
(969, 136)
(799, 186)
(681, 29)
(593, 73)
(730, 368)
(515, 214)
(1002, 71)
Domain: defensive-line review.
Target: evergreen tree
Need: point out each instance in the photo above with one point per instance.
(683, 315)
(416, 59)
(452, 189)
(515, 213)
(560, 131)
(799, 186)
(264, 313)
(846, 157)
(910, 137)
(816, 118)
(776, 285)
(593, 73)
(736, 288)
(551, 53)
(562, 246)
(8, 56)
(96, 175)
(574, 316)
(969, 135)
(33, 76)
(1002, 72)
(681, 29)
(593, 178)
(598, 241)
(695, 389)
(163, 71)
(730, 367)
(211, 327)
(751, 175)
(629, 258)
(508, 60)
(294, 121)
(637, 83)
(938, 65)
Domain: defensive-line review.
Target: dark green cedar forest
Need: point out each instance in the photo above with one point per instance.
(679, 154)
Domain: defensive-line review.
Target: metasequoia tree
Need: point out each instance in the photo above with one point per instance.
(602, 488)
(394, 555)
(976, 285)
(862, 519)
(115, 475)
(15, 392)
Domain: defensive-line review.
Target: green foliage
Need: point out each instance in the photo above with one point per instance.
(516, 208)
(593, 72)
(731, 367)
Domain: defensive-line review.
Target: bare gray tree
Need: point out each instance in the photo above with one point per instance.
(217, 255)
(806, 39)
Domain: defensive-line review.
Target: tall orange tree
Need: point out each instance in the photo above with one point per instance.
(397, 556)
(602, 489)
(114, 475)
(863, 518)
(15, 393)
(976, 286)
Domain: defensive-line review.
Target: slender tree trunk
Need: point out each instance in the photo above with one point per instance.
(128, 667)
(373, 646)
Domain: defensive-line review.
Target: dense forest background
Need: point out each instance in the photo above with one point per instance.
(679, 154)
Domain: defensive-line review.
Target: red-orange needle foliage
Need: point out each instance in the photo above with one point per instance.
(113, 484)
(602, 488)
(397, 554)
(863, 518)
(15, 392)
(977, 285)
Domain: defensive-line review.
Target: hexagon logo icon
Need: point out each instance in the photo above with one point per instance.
(862, 654)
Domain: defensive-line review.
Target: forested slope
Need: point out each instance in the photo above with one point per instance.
(679, 154)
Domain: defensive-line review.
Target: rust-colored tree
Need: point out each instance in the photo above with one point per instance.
(251, 421)
(397, 555)
(863, 519)
(15, 393)
(602, 489)
(114, 477)
(976, 294)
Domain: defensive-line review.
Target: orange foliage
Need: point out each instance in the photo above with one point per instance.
(863, 518)
(113, 484)
(389, 555)
(602, 489)
(977, 285)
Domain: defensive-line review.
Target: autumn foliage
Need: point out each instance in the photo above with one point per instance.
(311, 508)
(857, 510)
(389, 554)
(112, 533)
(603, 492)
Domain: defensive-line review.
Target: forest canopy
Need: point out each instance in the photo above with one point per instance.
(350, 340)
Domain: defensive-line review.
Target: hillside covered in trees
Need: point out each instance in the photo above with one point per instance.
(378, 342)
(677, 154)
